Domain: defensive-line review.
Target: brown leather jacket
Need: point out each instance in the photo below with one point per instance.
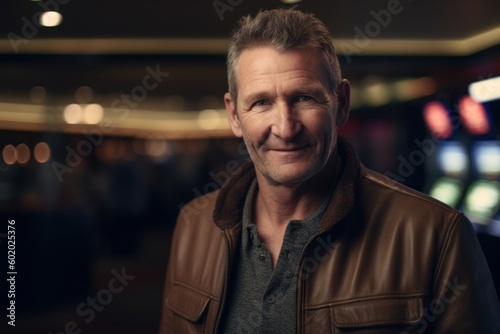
(386, 259)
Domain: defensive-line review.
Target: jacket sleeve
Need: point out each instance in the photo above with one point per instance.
(195, 271)
(464, 299)
(167, 315)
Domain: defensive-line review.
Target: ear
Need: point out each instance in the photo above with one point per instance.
(344, 102)
(232, 116)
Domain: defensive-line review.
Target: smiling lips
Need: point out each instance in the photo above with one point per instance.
(288, 150)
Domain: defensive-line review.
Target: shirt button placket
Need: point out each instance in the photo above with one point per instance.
(270, 298)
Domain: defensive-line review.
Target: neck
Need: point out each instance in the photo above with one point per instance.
(277, 204)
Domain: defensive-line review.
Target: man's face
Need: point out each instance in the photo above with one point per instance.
(286, 113)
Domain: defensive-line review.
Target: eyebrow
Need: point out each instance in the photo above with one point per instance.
(313, 91)
(316, 92)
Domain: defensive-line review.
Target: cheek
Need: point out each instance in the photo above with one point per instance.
(254, 128)
(323, 126)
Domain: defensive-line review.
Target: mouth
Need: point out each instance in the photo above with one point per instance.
(288, 149)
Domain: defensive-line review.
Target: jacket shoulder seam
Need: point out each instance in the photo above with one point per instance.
(405, 190)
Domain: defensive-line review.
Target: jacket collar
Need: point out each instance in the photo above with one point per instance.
(229, 206)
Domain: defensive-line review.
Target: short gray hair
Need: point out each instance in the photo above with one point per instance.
(283, 30)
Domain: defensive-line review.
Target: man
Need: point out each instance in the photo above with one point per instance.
(305, 239)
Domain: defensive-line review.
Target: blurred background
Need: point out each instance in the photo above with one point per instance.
(112, 118)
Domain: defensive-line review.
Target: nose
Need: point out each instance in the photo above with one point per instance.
(286, 124)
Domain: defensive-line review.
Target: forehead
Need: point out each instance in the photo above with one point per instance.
(264, 64)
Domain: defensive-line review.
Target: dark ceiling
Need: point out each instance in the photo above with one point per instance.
(107, 45)
(427, 19)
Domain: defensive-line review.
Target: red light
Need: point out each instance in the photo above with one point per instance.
(473, 116)
(437, 119)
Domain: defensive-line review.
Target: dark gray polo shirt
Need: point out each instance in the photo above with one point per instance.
(259, 299)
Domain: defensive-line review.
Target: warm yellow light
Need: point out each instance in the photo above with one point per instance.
(410, 89)
(209, 119)
(73, 114)
(376, 92)
(92, 113)
(156, 146)
(23, 153)
(9, 154)
(50, 19)
(42, 152)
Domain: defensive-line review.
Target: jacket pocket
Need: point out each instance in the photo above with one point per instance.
(190, 305)
(382, 315)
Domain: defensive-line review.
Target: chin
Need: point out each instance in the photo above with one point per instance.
(291, 176)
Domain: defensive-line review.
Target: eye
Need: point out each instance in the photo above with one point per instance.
(304, 98)
(261, 103)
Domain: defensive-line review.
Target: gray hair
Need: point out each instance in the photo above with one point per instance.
(283, 30)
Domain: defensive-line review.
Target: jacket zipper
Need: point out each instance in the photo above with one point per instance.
(224, 288)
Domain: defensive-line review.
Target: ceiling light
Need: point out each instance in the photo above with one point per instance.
(375, 91)
(50, 19)
(92, 113)
(409, 89)
(156, 146)
(42, 152)
(485, 90)
(23, 153)
(73, 114)
(9, 154)
(209, 119)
